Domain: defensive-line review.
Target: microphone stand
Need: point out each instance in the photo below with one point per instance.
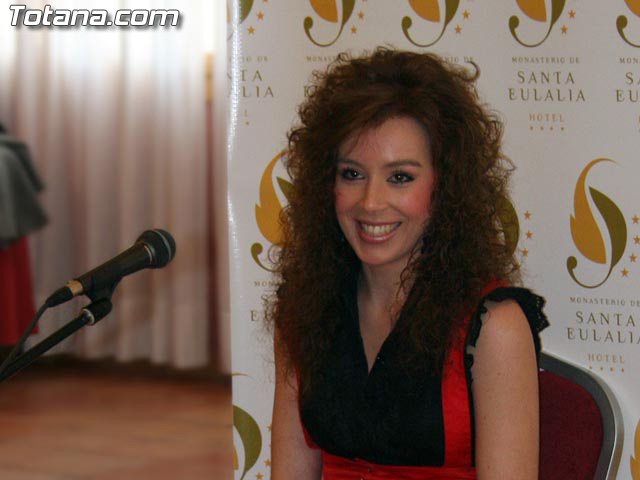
(89, 315)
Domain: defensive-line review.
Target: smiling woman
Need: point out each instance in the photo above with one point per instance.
(400, 351)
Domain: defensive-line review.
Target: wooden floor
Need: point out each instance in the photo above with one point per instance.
(64, 423)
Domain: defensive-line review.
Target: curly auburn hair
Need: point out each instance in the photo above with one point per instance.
(464, 243)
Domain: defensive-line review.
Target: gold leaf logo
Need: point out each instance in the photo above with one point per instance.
(622, 21)
(241, 9)
(328, 11)
(635, 461)
(584, 229)
(510, 224)
(427, 9)
(268, 210)
(251, 439)
(634, 6)
(585, 232)
(245, 9)
(267, 213)
(430, 10)
(249, 434)
(536, 10)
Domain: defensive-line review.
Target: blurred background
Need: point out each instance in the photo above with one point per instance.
(107, 132)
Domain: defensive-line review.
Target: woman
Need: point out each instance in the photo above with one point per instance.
(400, 352)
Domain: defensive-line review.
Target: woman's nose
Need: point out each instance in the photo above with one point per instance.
(373, 197)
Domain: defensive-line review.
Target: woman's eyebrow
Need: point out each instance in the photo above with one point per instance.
(403, 163)
(349, 161)
(392, 164)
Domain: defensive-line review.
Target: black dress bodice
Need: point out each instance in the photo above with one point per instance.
(387, 415)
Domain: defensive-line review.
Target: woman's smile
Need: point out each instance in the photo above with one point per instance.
(377, 232)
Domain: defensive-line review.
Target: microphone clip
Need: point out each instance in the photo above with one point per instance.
(104, 293)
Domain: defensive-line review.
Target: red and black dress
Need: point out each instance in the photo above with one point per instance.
(386, 424)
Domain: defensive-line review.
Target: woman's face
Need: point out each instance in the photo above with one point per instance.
(383, 191)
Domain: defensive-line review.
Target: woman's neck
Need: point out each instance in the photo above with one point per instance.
(382, 287)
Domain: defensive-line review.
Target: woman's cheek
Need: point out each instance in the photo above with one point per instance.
(339, 198)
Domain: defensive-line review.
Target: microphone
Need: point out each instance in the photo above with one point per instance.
(153, 249)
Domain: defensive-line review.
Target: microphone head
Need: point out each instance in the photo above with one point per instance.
(161, 244)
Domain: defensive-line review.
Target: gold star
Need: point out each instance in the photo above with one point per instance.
(259, 476)
(267, 462)
(269, 427)
(260, 15)
(251, 30)
(572, 14)
(465, 14)
(360, 14)
(636, 240)
(527, 215)
(635, 219)
(633, 258)
(551, 128)
(563, 29)
(354, 29)
(458, 29)
(525, 252)
(625, 272)
(529, 235)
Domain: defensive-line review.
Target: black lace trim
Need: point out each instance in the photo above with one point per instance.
(531, 305)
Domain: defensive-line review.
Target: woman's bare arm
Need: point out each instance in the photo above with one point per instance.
(291, 457)
(505, 396)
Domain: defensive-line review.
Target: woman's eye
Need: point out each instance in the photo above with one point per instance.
(350, 174)
(400, 178)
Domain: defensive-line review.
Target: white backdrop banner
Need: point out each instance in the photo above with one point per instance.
(564, 76)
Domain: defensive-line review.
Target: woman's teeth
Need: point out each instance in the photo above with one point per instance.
(378, 230)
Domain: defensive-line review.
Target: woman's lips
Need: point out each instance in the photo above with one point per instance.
(376, 232)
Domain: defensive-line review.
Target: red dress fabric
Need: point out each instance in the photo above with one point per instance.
(339, 468)
(16, 300)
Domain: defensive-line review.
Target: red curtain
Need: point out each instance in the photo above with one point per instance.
(16, 299)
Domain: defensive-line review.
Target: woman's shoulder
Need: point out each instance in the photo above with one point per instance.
(507, 316)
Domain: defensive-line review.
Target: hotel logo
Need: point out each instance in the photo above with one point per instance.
(597, 247)
(329, 12)
(622, 21)
(268, 210)
(429, 10)
(536, 10)
(250, 438)
(238, 12)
